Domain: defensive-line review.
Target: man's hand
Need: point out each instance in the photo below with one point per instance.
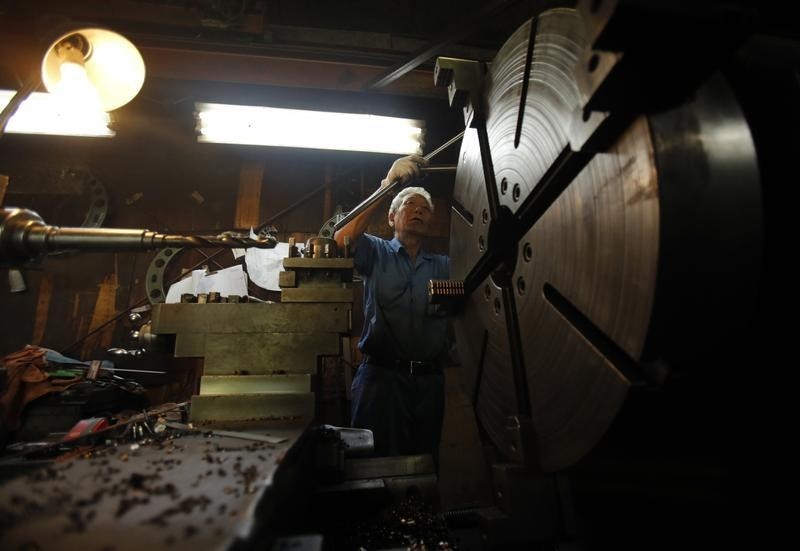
(404, 169)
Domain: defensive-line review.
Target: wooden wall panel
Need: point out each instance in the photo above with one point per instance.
(105, 308)
(44, 296)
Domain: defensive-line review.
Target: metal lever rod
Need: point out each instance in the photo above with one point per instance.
(364, 205)
(381, 192)
(439, 168)
(444, 146)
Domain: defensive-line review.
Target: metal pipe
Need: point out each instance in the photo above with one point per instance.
(24, 236)
(381, 192)
(444, 146)
(364, 205)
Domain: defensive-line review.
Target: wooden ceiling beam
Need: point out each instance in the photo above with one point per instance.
(187, 64)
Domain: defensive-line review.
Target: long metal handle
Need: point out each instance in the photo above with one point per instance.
(439, 168)
(444, 146)
(381, 192)
(364, 205)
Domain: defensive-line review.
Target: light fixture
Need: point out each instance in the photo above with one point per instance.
(87, 70)
(271, 126)
(45, 114)
(96, 67)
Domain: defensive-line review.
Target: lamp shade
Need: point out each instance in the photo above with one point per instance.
(105, 60)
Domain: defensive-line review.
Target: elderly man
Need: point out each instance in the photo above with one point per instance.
(398, 390)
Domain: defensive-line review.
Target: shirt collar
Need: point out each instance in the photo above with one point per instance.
(396, 246)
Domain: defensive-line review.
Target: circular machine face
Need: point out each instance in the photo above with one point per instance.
(572, 303)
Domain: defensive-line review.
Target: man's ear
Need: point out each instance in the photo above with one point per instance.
(391, 219)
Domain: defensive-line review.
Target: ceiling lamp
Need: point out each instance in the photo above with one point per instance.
(93, 67)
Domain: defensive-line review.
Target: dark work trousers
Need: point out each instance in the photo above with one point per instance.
(403, 411)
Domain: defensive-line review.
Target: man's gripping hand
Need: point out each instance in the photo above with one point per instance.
(405, 169)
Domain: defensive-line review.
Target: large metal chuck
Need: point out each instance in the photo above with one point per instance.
(580, 304)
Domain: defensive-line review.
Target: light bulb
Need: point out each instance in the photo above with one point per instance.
(75, 88)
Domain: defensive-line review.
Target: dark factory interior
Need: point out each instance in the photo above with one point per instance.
(192, 324)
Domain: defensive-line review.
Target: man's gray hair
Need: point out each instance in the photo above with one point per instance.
(405, 193)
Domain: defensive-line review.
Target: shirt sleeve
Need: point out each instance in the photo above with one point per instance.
(364, 258)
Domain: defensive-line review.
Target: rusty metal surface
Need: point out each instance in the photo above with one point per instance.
(595, 247)
(252, 407)
(250, 318)
(267, 353)
(188, 492)
(256, 353)
(319, 278)
(318, 294)
(379, 467)
(253, 384)
(300, 263)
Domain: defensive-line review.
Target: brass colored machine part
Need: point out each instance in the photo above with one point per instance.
(320, 275)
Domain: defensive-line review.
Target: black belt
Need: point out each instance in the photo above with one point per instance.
(412, 367)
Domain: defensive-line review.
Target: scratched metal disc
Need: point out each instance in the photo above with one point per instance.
(582, 290)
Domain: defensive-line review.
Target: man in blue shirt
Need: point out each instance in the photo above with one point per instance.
(398, 390)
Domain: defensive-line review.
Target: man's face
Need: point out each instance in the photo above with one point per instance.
(413, 216)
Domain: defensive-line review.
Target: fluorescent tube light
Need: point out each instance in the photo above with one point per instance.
(253, 125)
(47, 114)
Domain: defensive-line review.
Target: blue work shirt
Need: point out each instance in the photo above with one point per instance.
(398, 321)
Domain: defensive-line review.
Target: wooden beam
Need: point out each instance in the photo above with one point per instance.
(105, 308)
(248, 199)
(249, 68)
(42, 307)
(327, 202)
(3, 187)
